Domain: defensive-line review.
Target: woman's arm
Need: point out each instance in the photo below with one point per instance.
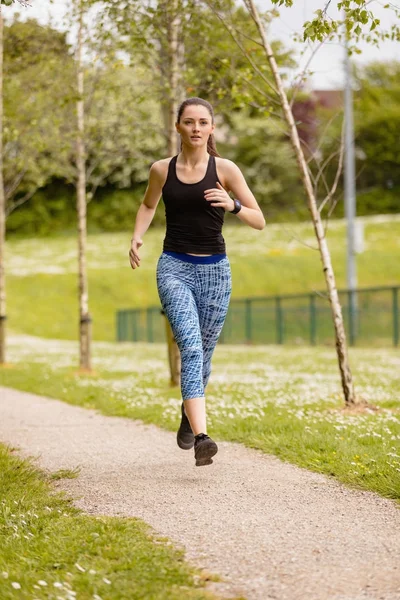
(250, 212)
(146, 212)
(234, 181)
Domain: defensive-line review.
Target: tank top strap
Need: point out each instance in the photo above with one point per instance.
(213, 171)
(171, 168)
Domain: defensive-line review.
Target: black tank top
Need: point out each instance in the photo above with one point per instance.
(193, 225)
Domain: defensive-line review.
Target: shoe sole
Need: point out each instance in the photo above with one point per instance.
(183, 445)
(204, 454)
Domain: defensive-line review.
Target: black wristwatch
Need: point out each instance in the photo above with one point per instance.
(238, 206)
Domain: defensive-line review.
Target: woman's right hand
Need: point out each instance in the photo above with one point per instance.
(134, 254)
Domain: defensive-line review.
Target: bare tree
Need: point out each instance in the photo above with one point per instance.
(173, 24)
(278, 89)
(83, 291)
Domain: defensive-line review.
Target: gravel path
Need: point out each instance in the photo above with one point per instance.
(270, 529)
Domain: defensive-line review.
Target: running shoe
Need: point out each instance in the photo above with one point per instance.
(204, 449)
(185, 437)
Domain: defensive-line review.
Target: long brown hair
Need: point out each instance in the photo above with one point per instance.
(211, 145)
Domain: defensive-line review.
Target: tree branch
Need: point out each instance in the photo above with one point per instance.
(9, 191)
(14, 205)
(237, 41)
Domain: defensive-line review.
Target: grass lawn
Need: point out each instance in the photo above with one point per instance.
(49, 549)
(42, 281)
(284, 401)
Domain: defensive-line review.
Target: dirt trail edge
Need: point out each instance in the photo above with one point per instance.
(270, 529)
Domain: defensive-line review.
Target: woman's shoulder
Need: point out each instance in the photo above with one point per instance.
(224, 162)
(163, 161)
(160, 167)
(225, 168)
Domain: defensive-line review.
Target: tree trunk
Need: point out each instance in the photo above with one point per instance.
(2, 213)
(84, 316)
(341, 344)
(173, 22)
(174, 357)
(173, 71)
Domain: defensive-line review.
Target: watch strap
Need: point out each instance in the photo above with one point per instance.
(238, 206)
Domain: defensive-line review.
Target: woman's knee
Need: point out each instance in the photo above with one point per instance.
(192, 355)
(192, 372)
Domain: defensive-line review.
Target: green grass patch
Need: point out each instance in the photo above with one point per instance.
(49, 549)
(41, 273)
(66, 473)
(284, 401)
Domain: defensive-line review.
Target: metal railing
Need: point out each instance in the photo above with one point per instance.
(371, 317)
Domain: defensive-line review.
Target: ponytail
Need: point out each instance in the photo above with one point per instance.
(211, 146)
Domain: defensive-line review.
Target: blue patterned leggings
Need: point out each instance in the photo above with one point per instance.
(195, 297)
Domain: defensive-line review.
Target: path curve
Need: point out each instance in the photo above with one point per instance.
(272, 530)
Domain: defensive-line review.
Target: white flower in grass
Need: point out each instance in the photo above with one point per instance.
(58, 584)
(16, 585)
(106, 580)
(81, 569)
(42, 582)
(5, 575)
(96, 597)
(92, 572)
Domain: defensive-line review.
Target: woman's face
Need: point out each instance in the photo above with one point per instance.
(195, 125)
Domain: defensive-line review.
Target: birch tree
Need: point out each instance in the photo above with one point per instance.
(171, 9)
(83, 291)
(340, 335)
(318, 29)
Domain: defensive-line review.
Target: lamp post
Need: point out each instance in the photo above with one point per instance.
(350, 194)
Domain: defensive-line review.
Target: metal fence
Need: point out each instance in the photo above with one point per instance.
(371, 317)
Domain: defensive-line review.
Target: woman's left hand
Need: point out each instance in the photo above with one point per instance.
(219, 197)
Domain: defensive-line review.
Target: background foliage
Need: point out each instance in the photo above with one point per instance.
(125, 121)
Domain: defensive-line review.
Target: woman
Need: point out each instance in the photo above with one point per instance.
(193, 271)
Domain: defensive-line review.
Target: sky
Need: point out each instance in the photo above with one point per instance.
(327, 64)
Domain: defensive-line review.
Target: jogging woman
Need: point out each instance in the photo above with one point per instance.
(193, 271)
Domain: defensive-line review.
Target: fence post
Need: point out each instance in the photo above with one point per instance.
(352, 315)
(118, 325)
(395, 298)
(124, 326)
(248, 320)
(134, 325)
(313, 320)
(279, 321)
(149, 325)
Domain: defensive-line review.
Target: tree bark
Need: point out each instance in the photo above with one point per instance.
(83, 292)
(2, 213)
(340, 336)
(173, 36)
(173, 25)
